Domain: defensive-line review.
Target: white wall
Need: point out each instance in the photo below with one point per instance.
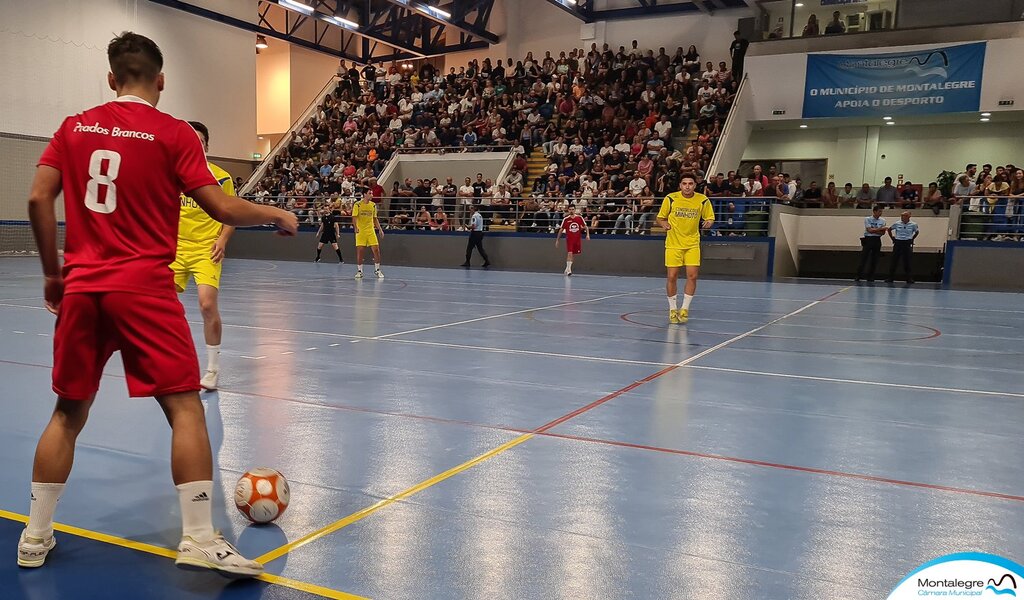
(273, 89)
(919, 153)
(56, 52)
(843, 231)
(778, 80)
(536, 26)
(310, 72)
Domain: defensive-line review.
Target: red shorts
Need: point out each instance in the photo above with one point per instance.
(150, 331)
(574, 245)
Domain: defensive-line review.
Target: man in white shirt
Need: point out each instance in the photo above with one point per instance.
(663, 128)
(465, 200)
(623, 146)
(637, 185)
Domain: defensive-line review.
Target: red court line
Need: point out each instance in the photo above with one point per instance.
(543, 430)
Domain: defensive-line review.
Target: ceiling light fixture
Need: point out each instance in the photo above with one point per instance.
(296, 5)
(344, 22)
(985, 119)
(890, 122)
(437, 11)
(803, 127)
(986, 114)
(887, 118)
(261, 42)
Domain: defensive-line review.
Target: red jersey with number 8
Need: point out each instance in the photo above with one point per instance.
(124, 166)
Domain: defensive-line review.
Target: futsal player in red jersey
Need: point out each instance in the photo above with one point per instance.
(122, 167)
(573, 225)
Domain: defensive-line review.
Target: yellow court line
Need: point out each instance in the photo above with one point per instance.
(302, 586)
(365, 512)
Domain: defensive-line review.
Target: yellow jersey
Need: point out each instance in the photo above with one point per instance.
(195, 227)
(363, 214)
(684, 216)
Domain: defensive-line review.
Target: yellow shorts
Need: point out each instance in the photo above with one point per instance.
(677, 257)
(368, 238)
(199, 265)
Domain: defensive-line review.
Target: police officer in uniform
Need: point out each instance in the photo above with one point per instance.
(871, 243)
(903, 233)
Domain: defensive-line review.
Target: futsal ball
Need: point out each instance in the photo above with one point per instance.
(262, 495)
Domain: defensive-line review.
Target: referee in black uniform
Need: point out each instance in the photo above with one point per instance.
(328, 233)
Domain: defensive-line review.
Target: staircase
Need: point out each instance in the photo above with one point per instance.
(535, 164)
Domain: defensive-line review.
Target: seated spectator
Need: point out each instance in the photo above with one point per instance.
(812, 196)
(829, 197)
(887, 194)
(423, 219)
(908, 196)
(440, 221)
(933, 198)
(865, 197)
(848, 196)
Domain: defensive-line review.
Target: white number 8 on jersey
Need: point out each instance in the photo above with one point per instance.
(98, 178)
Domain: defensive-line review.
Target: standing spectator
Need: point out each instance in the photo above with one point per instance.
(811, 28)
(465, 200)
(836, 25)
(476, 236)
(963, 192)
(871, 243)
(902, 233)
(738, 50)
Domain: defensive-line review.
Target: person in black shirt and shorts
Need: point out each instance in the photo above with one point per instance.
(328, 233)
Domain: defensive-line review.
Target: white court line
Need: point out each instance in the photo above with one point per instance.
(534, 353)
(252, 357)
(905, 386)
(716, 347)
(508, 314)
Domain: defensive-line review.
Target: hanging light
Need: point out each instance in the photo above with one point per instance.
(261, 42)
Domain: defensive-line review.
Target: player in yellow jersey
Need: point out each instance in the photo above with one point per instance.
(683, 214)
(364, 219)
(201, 245)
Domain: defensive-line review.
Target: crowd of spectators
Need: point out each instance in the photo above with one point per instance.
(608, 122)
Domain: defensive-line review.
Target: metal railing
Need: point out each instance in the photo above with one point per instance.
(992, 218)
(735, 217)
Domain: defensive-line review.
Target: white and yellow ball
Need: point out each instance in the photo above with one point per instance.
(262, 495)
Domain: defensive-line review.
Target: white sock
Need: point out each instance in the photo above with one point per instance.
(568, 265)
(360, 268)
(44, 503)
(687, 299)
(213, 358)
(196, 499)
(376, 266)
(672, 303)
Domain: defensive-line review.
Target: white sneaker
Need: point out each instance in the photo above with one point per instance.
(32, 551)
(209, 380)
(216, 554)
(380, 274)
(567, 272)
(359, 274)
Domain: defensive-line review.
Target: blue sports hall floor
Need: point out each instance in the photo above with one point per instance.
(456, 433)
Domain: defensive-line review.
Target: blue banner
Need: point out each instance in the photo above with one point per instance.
(939, 80)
